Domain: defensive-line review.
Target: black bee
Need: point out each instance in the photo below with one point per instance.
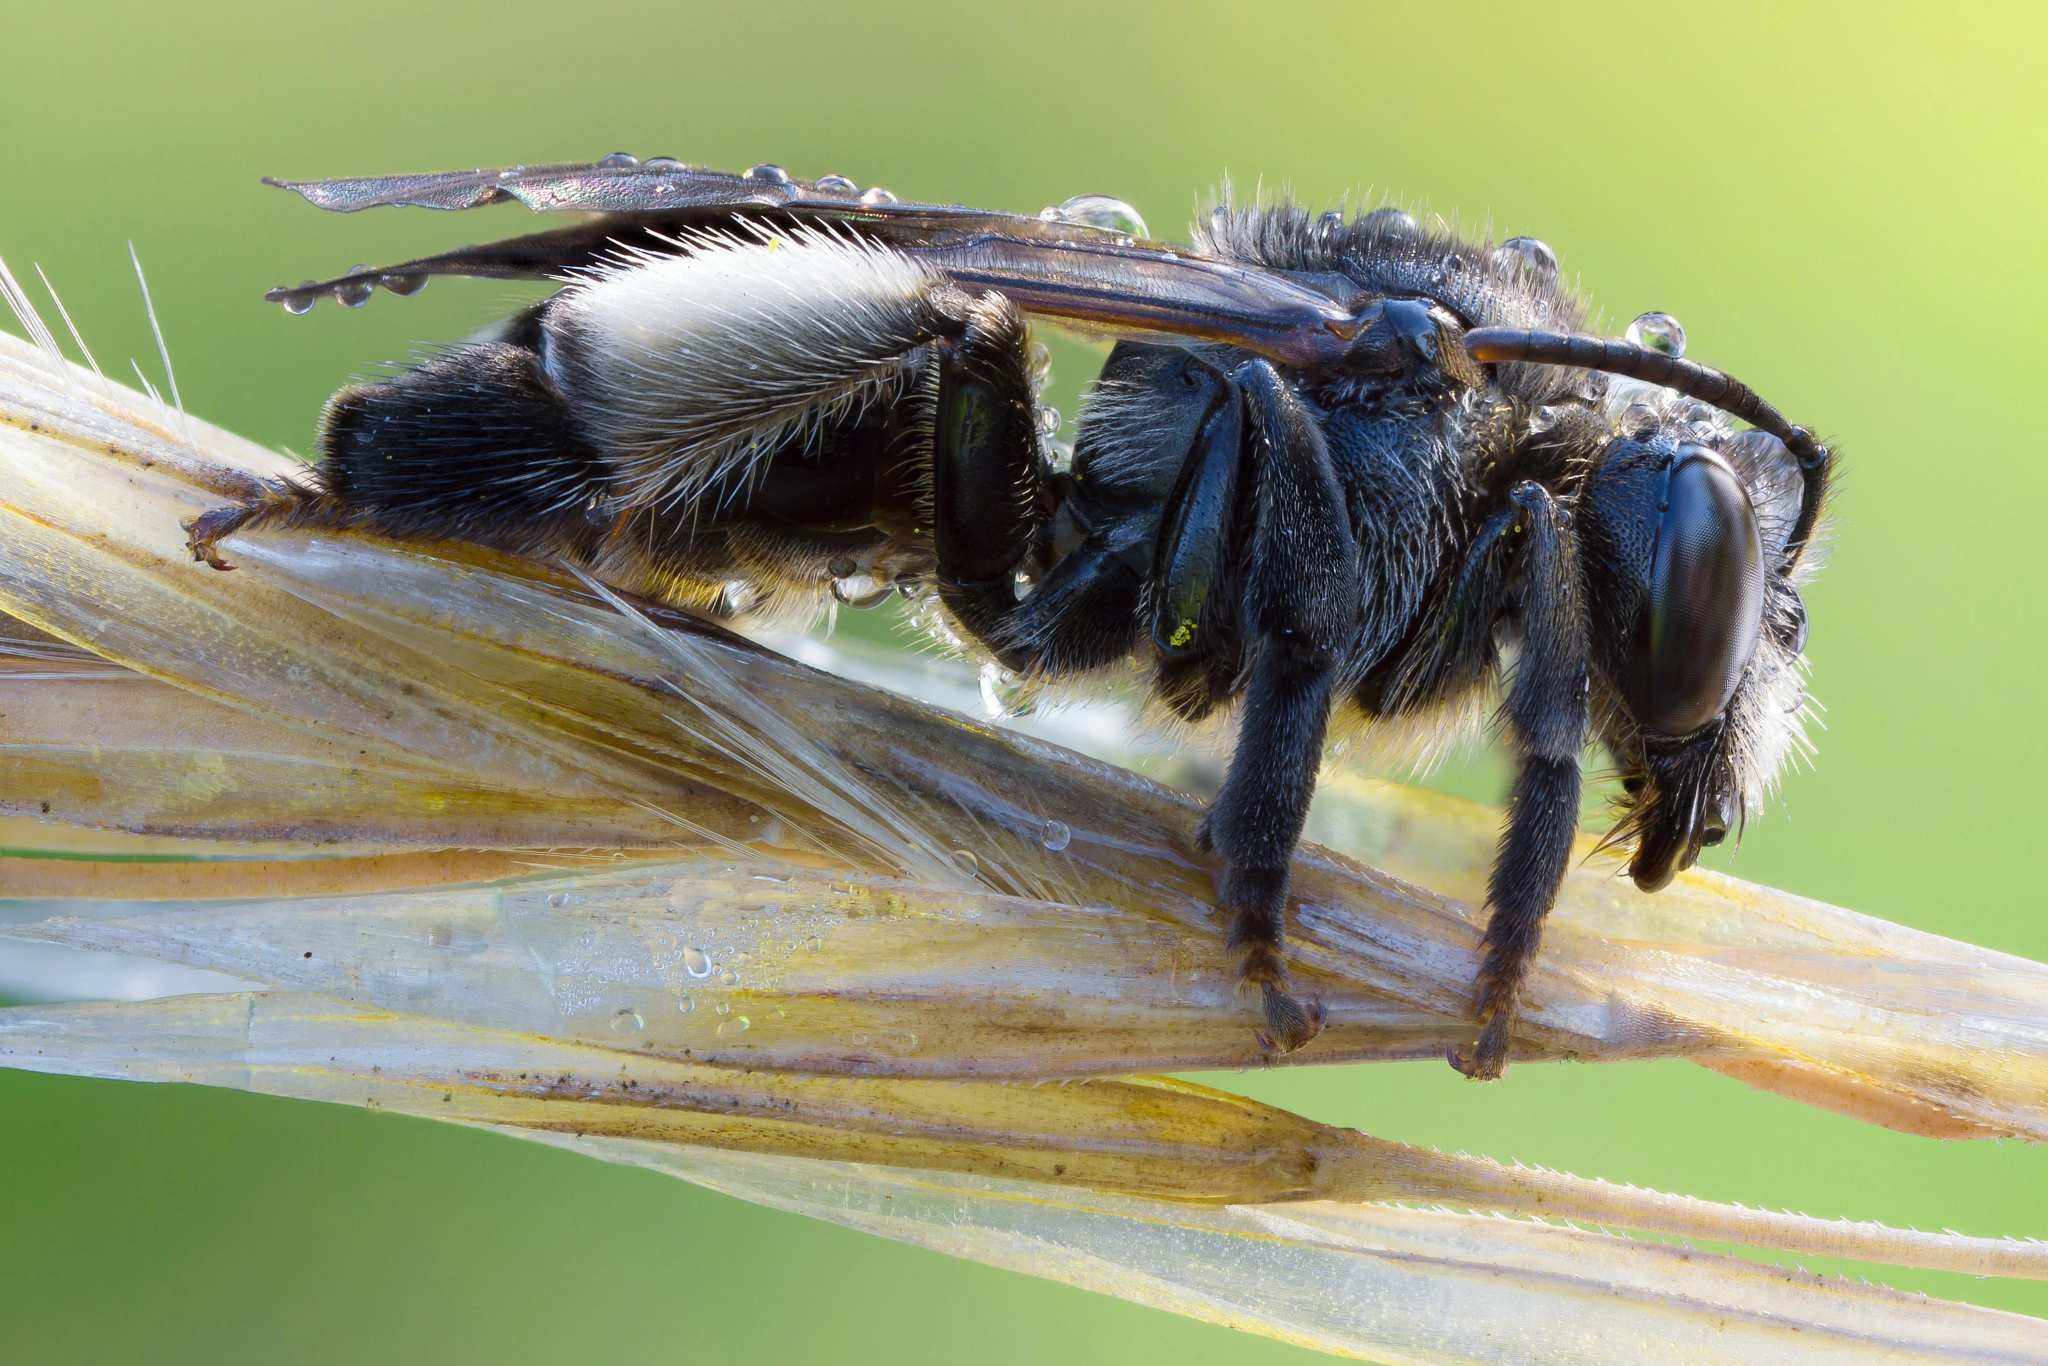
(1334, 466)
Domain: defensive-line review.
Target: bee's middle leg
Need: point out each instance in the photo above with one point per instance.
(1301, 606)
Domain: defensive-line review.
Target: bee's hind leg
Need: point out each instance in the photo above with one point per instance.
(475, 445)
(281, 503)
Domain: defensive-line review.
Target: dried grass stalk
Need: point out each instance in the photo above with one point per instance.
(877, 942)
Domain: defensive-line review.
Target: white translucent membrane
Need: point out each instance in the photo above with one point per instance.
(398, 703)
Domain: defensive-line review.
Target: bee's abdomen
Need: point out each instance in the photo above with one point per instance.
(475, 446)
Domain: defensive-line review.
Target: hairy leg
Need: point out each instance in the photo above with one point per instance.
(1546, 713)
(1301, 610)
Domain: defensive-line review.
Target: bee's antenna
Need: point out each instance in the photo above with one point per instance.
(1723, 391)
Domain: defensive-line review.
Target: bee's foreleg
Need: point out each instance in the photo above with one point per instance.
(1302, 592)
(1545, 711)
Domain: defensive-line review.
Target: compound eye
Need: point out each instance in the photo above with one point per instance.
(1705, 603)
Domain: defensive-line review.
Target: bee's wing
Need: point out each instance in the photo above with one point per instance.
(1087, 276)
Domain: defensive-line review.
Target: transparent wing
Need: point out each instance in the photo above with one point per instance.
(1096, 277)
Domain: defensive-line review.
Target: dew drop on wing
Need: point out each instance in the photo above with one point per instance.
(728, 978)
(1098, 211)
(1533, 254)
(967, 861)
(878, 195)
(837, 184)
(619, 161)
(696, 962)
(1055, 835)
(1659, 332)
(355, 293)
(686, 1006)
(737, 1025)
(722, 1008)
(627, 1021)
(768, 173)
(1391, 222)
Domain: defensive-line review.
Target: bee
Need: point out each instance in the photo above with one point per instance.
(1335, 470)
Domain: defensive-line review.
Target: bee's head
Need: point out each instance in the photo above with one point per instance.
(1691, 539)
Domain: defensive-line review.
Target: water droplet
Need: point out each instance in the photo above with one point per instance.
(967, 861)
(1041, 364)
(1533, 254)
(628, 1021)
(1391, 222)
(815, 944)
(860, 1040)
(722, 1008)
(737, 1025)
(729, 978)
(696, 962)
(559, 899)
(1002, 692)
(1659, 332)
(355, 293)
(1048, 420)
(618, 161)
(686, 1006)
(1330, 223)
(902, 1041)
(837, 184)
(300, 304)
(772, 174)
(1098, 211)
(878, 195)
(1055, 835)
(1639, 420)
(662, 164)
(403, 285)
(860, 593)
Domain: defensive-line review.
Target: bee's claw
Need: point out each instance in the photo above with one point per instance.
(1489, 1058)
(1289, 1024)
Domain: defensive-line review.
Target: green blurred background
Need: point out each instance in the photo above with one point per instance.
(1844, 206)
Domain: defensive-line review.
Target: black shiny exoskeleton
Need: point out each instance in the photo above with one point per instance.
(1336, 468)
